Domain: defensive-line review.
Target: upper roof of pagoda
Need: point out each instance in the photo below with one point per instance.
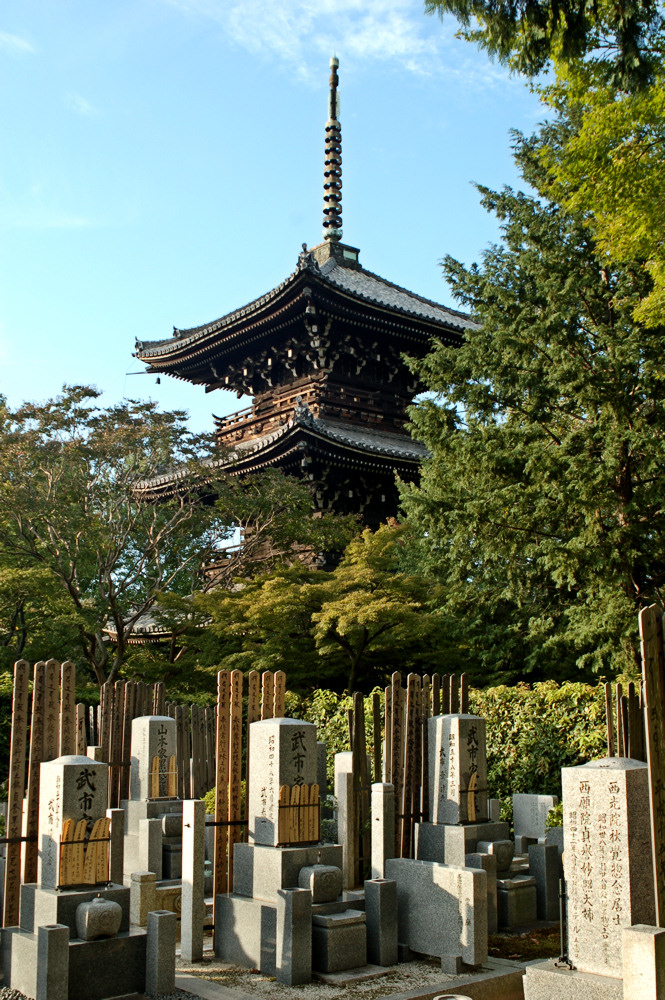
(328, 275)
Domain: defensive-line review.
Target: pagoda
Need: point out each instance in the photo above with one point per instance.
(322, 356)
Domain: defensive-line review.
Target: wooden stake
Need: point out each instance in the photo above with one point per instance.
(621, 749)
(126, 746)
(609, 719)
(35, 758)
(314, 825)
(653, 672)
(267, 695)
(454, 695)
(464, 694)
(78, 852)
(253, 715)
(67, 709)
(81, 741)
(388, 730)
(376, 734)
(154, 779)
(172, 778)
(235, 766)
(445, 695)
(52, 711)
(102, 852)
(397, 757)
(15, 794)
(280, 694)
(436, 694)
(220, 871)
(406, 804)
(90, 865)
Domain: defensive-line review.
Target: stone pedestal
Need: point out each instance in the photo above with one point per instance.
(89, 970)
(383, 827)
(643, 963)
(544, 867)
(488, 863)
(293, 937)
(381, 914)
(543, 981)
(193, 905)
(346, 817)
(450, 845)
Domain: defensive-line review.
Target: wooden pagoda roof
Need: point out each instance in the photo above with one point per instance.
(365, 447)
(340, 286)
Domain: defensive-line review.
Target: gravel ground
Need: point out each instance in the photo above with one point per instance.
(398, 979)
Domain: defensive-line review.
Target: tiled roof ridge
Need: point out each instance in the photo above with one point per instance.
(326, 271)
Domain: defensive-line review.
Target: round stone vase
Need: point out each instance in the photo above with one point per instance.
(97, 919)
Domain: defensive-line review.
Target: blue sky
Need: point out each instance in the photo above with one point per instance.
(163, 163)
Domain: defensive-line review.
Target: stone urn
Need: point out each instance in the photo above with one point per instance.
(98, 918)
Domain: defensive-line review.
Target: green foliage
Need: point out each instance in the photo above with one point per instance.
(349, 628)
(84, 550)
(605, 157)
(532, 732)
(554, 817)
(541, 499)
(622, 41)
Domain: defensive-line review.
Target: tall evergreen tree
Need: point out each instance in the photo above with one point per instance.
(542, 500)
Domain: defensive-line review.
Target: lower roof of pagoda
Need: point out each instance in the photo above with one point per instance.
(304, 434)
(338, 288)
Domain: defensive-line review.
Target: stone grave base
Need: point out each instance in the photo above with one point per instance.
(245, 932)
(543, 981)
(107, 967)
(339, 941)
(259, 871)
(450, 844)
(516, 902)
(153, 837)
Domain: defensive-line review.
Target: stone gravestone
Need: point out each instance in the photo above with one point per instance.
(73, 790)
(153, 828)
(283, 752)
(608, 859)
(609, 878)
(153, 742)
(458, 769)
(529, 816)
(286, 913)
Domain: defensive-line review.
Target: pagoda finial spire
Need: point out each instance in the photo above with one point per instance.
(332, 185)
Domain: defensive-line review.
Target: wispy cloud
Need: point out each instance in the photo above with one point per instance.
(14, 43)
(79, 104)
(299, 31)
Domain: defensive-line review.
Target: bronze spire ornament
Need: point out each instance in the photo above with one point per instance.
(332, 185)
